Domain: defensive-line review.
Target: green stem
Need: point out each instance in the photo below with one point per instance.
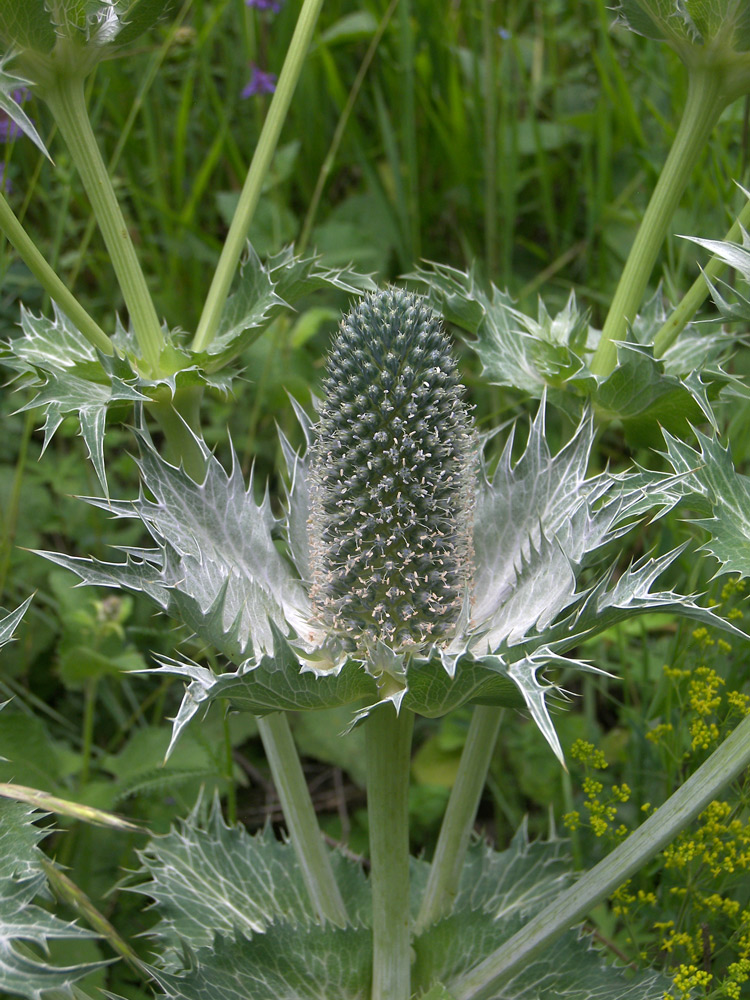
(300, 817)
(458, 822)
(486, 978)
(251, 191)
(66, 100)
(698, 292)
(705, 101)
(179, 420)
(49, 280)
(388, 765)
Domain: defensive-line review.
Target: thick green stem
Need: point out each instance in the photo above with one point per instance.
(388, 765)
(179, 419)
(250, 195)
(300, 817)
(458, 822)
(705, 101)
(66, 100)
(49, 280)
(485, 979)
(698, 291)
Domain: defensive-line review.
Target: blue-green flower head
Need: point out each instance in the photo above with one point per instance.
(392, 467)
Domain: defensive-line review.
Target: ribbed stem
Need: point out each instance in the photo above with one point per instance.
(66, 100)
(698, 291)
(705, 102)
(485, 979)
(388, 765)
(250, 195)
(49, 280)
(301, 821)
(458, 822)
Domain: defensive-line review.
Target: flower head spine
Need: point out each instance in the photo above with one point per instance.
(392, 473)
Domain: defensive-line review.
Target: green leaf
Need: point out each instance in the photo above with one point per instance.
(139, 16)
(70, 376)
(283, 965)
(264, 291)
(711, 479)
(645, 398)
(22, 922)
(206, 877)
(514, 349)
(498, 893)
(274, 683)
(234, 909)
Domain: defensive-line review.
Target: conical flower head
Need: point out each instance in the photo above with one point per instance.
(392, 467)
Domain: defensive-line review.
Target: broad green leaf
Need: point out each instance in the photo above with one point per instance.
(550, 356)
(323, 964)
(236, 922)
(22, 922)
(275, 683)
(514, 349)
(26, 24)
(209, 879)
(140, 15)
(641, 394)
(264, 291)
(498, 893)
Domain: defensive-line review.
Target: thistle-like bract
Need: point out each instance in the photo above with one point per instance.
(392, 471)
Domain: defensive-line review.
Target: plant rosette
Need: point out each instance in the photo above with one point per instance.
(407, 572)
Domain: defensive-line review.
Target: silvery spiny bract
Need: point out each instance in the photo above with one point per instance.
(391, 492)
(407, 572)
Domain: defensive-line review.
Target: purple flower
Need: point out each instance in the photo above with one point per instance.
(273, 5)
(8, 128)
(260, 82)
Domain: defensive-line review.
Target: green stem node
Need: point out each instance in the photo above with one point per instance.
(706, 100)
(301, 821)
(67, 102)
(388, 766)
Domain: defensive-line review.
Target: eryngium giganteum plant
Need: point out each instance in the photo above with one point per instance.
(408, 572)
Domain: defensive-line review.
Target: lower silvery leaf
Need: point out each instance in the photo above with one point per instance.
(409, 574)
(24, 972)
(236, 924)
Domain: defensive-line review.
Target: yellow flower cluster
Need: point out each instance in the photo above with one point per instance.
(720, 842)
(601, 811)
